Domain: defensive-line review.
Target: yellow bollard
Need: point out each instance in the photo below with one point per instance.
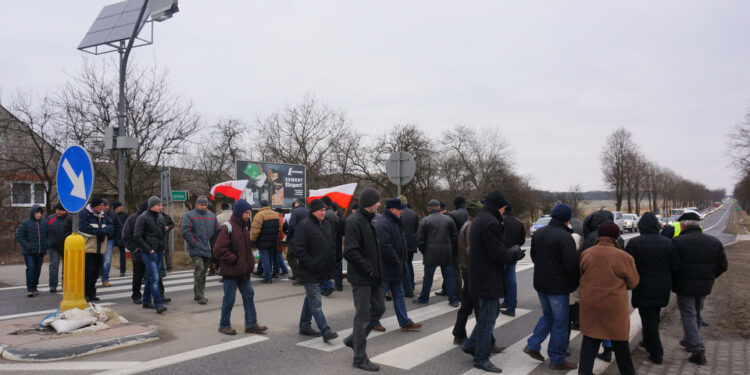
(74, 262)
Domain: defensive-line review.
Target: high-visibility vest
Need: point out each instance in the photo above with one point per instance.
(678, 228)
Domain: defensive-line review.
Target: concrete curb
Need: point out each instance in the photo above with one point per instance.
(26, 354)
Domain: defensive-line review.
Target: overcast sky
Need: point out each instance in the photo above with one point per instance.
(556, 77)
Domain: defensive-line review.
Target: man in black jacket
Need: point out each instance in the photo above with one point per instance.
(364, 271)
(656, 259)
(314, 247)
(119, 211)
(60, 226)
(459, 216)
(555, 258)
(438, 241)
(393, 250)
(139, 269)
(149, 234)
(487, 257)
(111, 243)
(410, 225)
(703, 260)
(514, 234)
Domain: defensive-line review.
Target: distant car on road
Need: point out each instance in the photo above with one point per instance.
(630, 222)
(619, 220)
(542, 221)
(662, 221)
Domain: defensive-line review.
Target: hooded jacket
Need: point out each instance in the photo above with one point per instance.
(656, 259)
(365, 264)
(197, 229)
(703, 260)
(315, 249)
(392, 246)
(33, 235)
(555, 258)
(60, 228)
(234, 251)
(437, 239)
(591, 226)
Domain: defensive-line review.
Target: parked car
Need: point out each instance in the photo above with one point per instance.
(662, 221)
(630, 222)
(619, 220)
(542, 221)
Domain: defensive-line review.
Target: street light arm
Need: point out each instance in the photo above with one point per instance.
(135, 33)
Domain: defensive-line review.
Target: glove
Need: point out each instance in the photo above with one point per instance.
(515, 253)
(520, 255)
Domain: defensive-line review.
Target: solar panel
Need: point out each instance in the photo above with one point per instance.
(114, 23)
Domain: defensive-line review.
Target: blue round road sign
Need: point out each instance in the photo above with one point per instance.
(75, 178)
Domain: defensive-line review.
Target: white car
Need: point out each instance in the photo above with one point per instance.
(630, 222)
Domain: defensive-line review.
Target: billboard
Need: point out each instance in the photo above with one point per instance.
(280, 184)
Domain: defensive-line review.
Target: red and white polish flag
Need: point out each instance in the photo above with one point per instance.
(232, 189)
(341, 194)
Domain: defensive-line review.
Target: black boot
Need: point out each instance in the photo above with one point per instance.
(606, 355)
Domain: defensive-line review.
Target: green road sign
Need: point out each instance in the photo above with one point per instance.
(179, 195)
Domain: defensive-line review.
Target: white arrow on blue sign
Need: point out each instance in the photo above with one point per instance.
(75, 178)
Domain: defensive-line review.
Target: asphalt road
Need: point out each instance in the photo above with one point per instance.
(190, 343)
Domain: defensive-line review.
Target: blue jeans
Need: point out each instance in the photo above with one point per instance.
(450, 283)
(554, 323)
(265, 260)
(107, 261)
(313, 308)
(33, 270)
(54, 267)
(481, 337)
(278, 263)
(161, 264)
(511, 287)
(227, 303)
(607, 343)
(397, 292)
(151, 287)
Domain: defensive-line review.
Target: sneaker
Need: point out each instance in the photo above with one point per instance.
(137, 300)
(161, 309)
(202, 301)
(379, 328)
(256, 329)
(503, 305)
(29, 294)
(606, 355)
(534, 354)
(698, 358)
(441, 293)
(330, 336)
(409, 295)
(166, 299)
(106, 284)
(413, 327)
(564, 366)
(36, 293)
(53, 289)
(228, 331)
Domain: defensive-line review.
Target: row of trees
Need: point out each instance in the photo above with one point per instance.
(633, 178)
(739, 150)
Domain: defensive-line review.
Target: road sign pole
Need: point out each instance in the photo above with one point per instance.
(399, 174)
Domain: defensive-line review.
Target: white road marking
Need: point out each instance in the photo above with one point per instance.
(390, 323)
(417, 352)
(43, 312)
(720, 220)
(67, 366)
(186, 356)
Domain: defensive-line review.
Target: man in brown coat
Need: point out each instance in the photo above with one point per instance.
(607, 273)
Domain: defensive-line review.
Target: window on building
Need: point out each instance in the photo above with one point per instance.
(27, 194)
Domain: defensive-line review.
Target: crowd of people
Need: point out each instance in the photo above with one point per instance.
(582, 270)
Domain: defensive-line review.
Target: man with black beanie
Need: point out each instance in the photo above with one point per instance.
(365, 267)
(119, 210)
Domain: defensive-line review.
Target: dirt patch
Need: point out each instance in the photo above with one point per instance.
(739, 223)
(731, 292)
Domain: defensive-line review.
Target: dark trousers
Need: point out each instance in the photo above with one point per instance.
(369, 306)
(650, 321)
(139, 270)
(33, 270)
(291, 258)
(469, 305)
(123, 260)
(409, 277)
(93, 266)
(589, 349)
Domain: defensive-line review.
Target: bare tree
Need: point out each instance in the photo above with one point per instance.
(574, 197)
(739, 144)
(33, 140)
(161, 121)
(614, 158)
(306, 133)
(218, 153)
